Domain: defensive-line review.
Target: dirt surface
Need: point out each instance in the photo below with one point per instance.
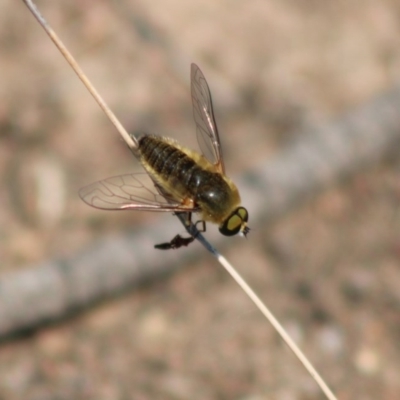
(329, 270)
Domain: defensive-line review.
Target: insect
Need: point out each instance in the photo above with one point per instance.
(182, 180)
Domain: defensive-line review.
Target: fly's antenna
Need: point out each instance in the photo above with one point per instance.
(132, 144)
(129, 139)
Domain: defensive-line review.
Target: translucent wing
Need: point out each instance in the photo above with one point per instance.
(207, 131)
(130, 192)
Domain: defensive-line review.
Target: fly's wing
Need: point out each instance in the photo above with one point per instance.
(207, 131)
(130, 192)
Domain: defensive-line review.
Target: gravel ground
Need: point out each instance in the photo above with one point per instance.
(274, 68)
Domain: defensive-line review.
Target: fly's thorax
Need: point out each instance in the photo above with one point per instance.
(218, 198)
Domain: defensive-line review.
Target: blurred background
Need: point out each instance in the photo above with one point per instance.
(329, 269)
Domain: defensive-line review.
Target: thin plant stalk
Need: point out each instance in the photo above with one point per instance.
(191, 228)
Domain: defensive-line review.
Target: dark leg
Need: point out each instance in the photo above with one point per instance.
(179, 241)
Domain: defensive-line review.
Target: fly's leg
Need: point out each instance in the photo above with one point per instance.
(202, 229)
(179, 241)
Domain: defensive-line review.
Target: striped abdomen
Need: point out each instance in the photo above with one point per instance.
(187, 175)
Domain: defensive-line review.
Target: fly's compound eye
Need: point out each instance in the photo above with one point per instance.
(235, 223)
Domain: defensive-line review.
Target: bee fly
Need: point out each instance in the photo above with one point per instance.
(183, 181)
